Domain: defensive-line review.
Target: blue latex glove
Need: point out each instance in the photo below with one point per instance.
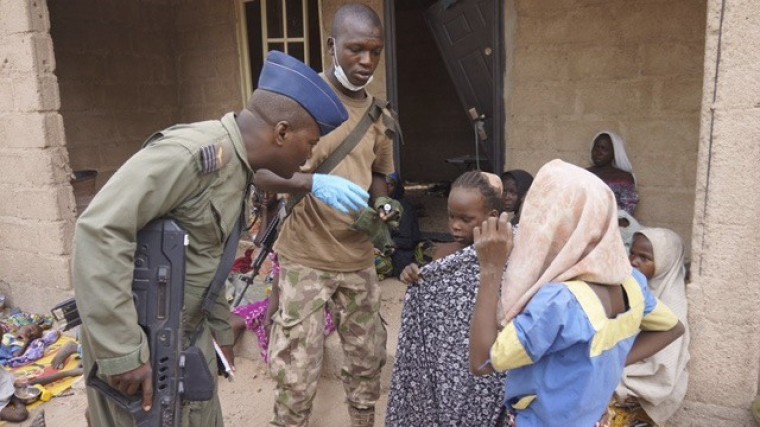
(339, 193)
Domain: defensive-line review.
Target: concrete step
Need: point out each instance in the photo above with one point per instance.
(392, 297)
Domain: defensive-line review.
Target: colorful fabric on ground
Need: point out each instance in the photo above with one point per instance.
(35, 350)
(42, 368)
(243, 264)
(11, 347)
(431, 383)
(19, 319)
(629, 414)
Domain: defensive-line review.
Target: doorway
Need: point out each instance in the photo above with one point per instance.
(433, 97)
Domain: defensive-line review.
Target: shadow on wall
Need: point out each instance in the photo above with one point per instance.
(83, 182)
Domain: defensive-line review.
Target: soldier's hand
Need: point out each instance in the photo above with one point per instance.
(131, 382)
(229, 354)
(339, 193)
(389, 210)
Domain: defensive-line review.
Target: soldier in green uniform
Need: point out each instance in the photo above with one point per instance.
(198, 174)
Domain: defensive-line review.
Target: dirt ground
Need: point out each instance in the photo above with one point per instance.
(248, 400)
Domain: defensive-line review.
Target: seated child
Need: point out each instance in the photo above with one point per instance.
(431, 383)
(516, 184)
(652, 390)
(407, 235)
(11, 409)
(570, 303)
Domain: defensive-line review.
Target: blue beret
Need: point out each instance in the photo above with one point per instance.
(290, 77)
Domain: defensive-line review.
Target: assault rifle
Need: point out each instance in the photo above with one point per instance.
(267, 242)
(158, 293)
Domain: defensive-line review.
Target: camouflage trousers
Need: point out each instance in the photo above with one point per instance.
(297, 338)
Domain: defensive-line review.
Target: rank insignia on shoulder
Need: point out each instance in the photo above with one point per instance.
(211, 158)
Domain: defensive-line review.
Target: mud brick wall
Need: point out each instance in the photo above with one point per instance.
(36, 202)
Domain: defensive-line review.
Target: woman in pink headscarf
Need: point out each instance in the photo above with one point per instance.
(572, 308)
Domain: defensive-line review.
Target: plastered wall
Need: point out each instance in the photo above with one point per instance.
(634, 68)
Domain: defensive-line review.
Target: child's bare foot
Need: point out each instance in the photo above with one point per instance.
(14, 412)
(59, 360)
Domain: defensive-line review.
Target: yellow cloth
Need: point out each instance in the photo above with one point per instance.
(43, 367)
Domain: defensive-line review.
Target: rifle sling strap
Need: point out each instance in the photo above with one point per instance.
(373, 113)
(222, 271)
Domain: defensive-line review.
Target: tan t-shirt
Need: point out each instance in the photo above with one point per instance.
(318, 236)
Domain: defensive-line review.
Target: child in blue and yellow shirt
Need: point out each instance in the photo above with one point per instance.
(573, 311)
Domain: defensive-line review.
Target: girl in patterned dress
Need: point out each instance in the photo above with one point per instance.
(431, 383)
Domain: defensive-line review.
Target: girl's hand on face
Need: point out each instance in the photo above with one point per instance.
(411, 274)
(493, 243)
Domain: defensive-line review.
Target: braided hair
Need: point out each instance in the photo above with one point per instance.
(477, 180)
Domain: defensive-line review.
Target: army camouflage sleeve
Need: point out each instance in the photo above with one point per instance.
(147, 186)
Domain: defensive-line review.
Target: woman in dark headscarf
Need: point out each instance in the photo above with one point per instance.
(406, 237)
(516, 183)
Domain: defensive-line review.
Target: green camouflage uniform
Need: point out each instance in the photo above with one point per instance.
(196, 174)
(298, 337)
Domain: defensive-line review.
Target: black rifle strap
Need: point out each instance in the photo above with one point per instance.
(223, 270)
(373, 113)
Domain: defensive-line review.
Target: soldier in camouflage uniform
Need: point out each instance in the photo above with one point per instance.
(197, 174)
(323, 260)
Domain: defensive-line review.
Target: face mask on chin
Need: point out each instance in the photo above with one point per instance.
(343, 78)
